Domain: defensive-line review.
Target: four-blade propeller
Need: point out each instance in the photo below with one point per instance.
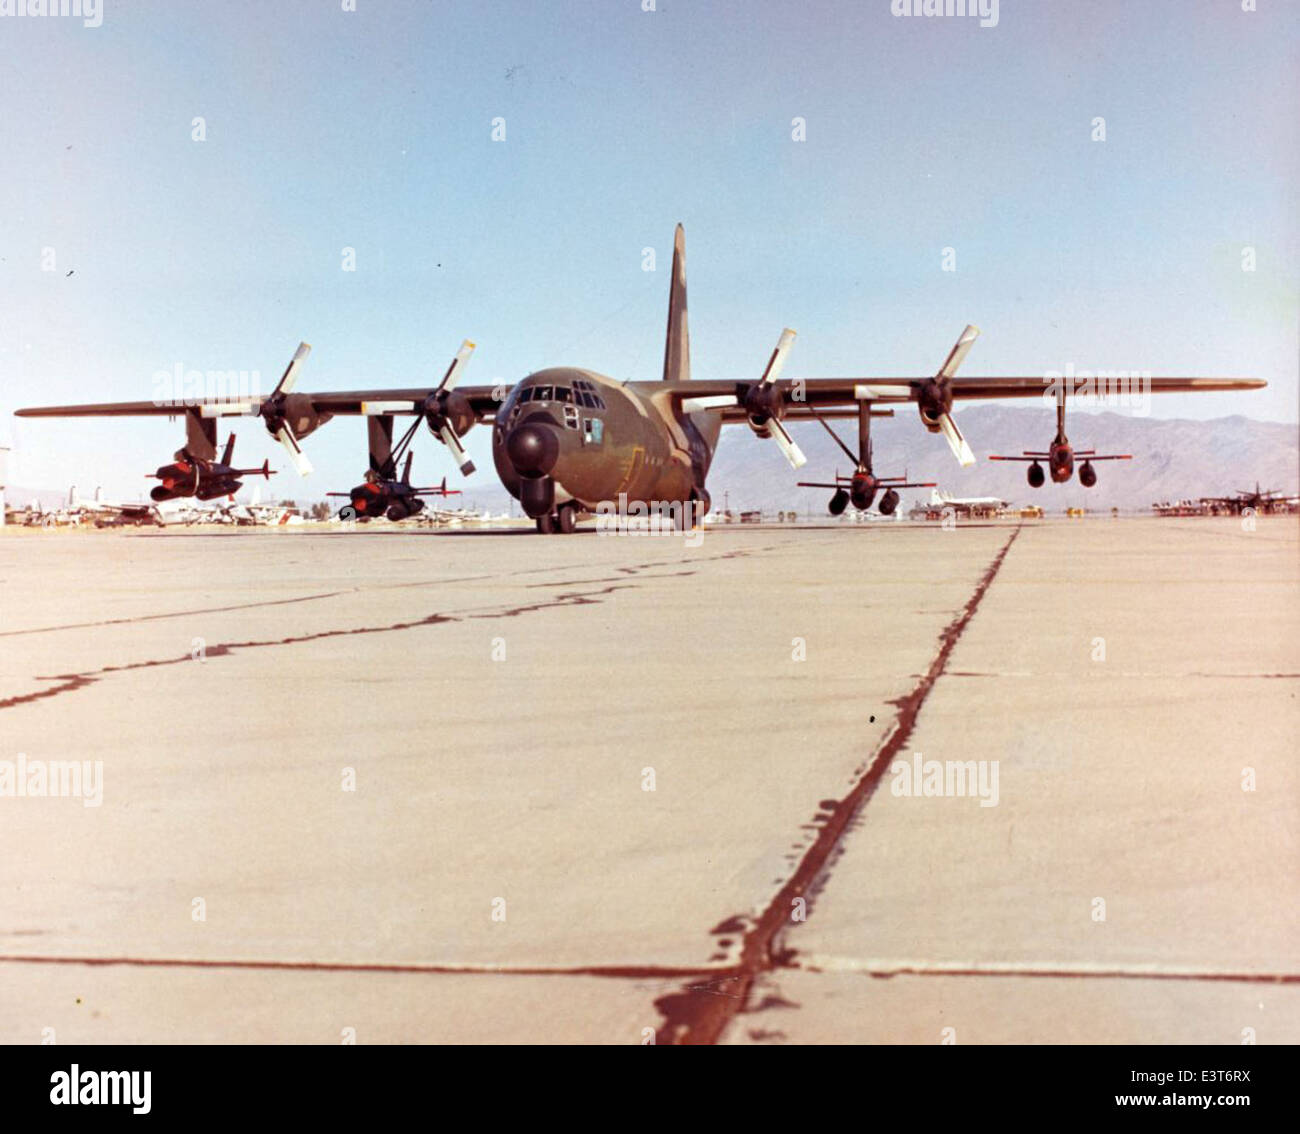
(273, 411)
(766, 402)
(936, 397)
(441, 408)
(763, 402)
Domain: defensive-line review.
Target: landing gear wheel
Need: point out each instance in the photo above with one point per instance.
(546, 524)
(566, 518)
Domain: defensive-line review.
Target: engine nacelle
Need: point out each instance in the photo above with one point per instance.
(763, 404)
(933, 400)
(888, 503)
(451, 409)
(839, 502)
(1087, 474)
(297, 412)
(1036, 476)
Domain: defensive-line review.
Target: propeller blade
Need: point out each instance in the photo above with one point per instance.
(452, 376)
(956, 442)
(792, 452)
(883, 392)
(714, 401)
(290, 375)
(959, 352)
(777, 361)
(296, 455)
(452, 442)
(227, 409)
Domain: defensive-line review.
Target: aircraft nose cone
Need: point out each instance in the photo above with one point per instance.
(533, 448)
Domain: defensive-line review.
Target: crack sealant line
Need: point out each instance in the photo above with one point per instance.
(878, 967)
(699, 1013)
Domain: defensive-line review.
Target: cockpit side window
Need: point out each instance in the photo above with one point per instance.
(526, 394)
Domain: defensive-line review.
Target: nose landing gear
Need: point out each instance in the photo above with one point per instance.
(564, 520)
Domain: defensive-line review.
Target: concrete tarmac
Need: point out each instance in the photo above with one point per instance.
(438, 787)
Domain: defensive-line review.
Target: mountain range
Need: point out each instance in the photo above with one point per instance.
(1172, 459)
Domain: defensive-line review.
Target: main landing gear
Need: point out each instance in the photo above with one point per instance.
(564, 520)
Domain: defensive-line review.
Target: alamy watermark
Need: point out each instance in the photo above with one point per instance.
(1123, 389)
(946, 779)
(89, 12)
(42, 779)
(181, 387)
(985, 10)
(651, 518)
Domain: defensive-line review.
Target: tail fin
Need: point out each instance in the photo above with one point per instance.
(677, 346)
(229, 454)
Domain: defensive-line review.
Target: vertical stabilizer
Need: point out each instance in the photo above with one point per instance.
(677, 345)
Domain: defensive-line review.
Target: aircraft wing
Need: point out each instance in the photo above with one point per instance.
(843, 394)
(823, 394)
(482, 398)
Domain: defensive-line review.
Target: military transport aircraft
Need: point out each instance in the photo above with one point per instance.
(567, 440)
(1268, 500)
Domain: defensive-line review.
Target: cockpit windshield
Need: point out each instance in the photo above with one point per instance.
(582, 393)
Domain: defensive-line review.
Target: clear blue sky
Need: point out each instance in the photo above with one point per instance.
(372, 130)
